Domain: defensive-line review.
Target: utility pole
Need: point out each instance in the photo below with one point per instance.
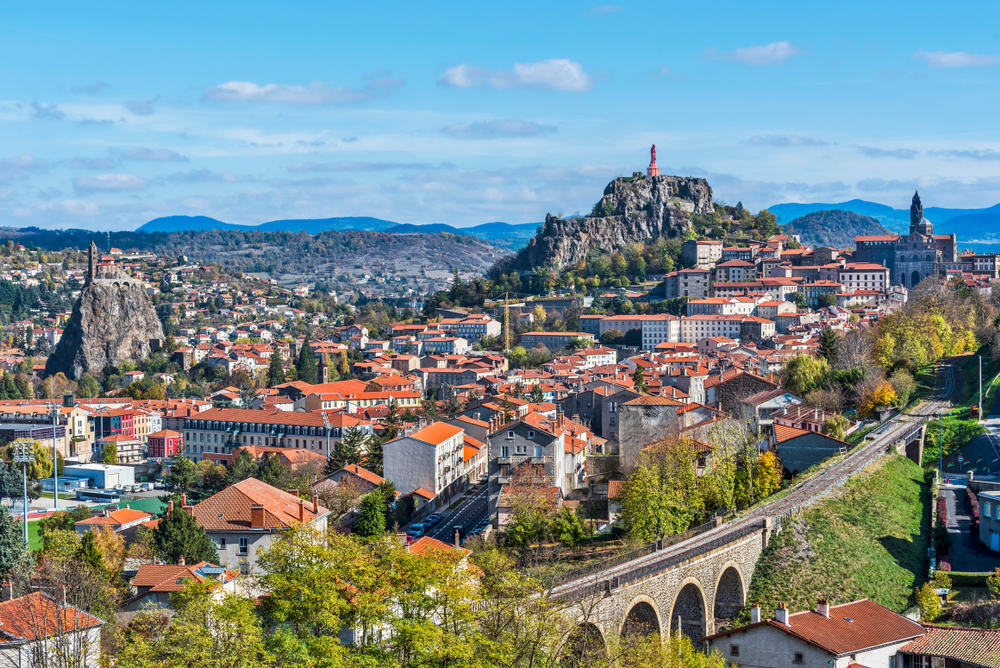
(980, 416)
(24, 453)
(54, 414)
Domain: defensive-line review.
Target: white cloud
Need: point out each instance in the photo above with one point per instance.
(314, 94)
(969, 154)
(19, 168)
(875, 152)
(109, 183)
(501, 128)
(782, 141)
(46, 112)
(90, 163)
(944, 60)
(152, 155)
(346, 166)
(555, 74)
(774, 53)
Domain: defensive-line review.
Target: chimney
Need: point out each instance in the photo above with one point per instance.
(781, 614)
(302, 510)
(170, 507)
(755, 614)
(180, 560)
(458, 540)
(293, 491)
(257, 516)
(6, 590)
(184, 499)
(107, 511)
(316, 504)
(823, 607)
(188, 509)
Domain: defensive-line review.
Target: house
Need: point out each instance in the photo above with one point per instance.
(120, 520)
(989, 519)
(164, 443)
(40, 630)
(154, 583)
(246, 517)
(798, 449)
(431, 458)
(952, 647)
(365, 479)
(759, 407)
(860, 633)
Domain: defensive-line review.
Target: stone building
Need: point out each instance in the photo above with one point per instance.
(912, 257)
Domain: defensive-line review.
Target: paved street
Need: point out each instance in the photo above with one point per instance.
(467, 515)
(966, 554)
(982, 451)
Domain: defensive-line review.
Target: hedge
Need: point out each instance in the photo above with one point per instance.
(960, 579)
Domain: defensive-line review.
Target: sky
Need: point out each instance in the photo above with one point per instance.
(112, 114)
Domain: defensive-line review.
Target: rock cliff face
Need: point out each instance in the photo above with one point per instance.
(632, 209)
(110, 324)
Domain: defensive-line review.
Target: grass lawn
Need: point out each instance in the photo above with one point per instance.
(869, 542)
(34, 540)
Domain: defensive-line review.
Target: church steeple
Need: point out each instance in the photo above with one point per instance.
(916, 212)
(652, 170)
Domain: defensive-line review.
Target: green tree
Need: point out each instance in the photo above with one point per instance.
(273, 472)
(178, 534)
(306, 364)
(928, 602)
(243, 467)
(88, 554)
(351, 449)
(566, 527)
(13, 552)
(392, 423)
(804, 373)
(643, 512)
(836, 427)
(372, 519)
(343, 366)
(799, 299)
(183, 476)
(110, 453)
(275, 370)
(640, 381)
(829, 343)
(374, 458)
(430, 410)
(826, 299)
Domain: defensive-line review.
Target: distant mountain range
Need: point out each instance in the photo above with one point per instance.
(968, 224)
(499, 234)
(835, 229)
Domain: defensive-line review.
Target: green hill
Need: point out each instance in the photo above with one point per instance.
(834, 228)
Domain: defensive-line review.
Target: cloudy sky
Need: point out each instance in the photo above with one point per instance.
(112, 114)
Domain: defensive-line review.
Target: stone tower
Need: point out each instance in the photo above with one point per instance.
(652, 170)
(91, 261)
(919, 224)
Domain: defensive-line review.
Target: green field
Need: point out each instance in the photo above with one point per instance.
(869, 542)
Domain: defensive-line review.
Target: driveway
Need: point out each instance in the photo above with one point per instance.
(966, 555)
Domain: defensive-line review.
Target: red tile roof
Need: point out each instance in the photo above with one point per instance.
(116, 517)
(980, 647)
(229, 510)
(428, 545)
(436, 433)
(29, 617)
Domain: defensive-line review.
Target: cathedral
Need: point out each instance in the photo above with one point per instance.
(912, 257)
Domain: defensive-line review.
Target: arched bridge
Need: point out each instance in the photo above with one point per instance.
(697, 580)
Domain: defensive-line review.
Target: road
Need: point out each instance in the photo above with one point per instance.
(467, 515)
(965, 554)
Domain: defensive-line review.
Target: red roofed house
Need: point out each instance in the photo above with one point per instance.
(432, 458)
(41, 630)
(164, 443)
(154, 583)
(119, 519)
(861, 633)
(245, 517)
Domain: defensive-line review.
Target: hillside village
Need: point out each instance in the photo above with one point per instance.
(469, 427)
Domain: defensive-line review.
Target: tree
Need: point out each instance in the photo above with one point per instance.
(88, 554)
(640, 381)
(275, 369)
(343, 366)
(928, 602)
(826, 300)
(13, 551)
(993, 584)
(273, 472)
(880, 396)
(183, 476)
(178, 534)
(828, 345)
(768, 474)
(243, 467)
(430, 410)
(372, 519)
(391, 424)
(799, 299)
(803, 373)
(642, 510)
(537, 395)
(836, 427)
(110, 453)
(566, 527)
(612, 337)
(351, 448)
(374, 457)
(306, 364)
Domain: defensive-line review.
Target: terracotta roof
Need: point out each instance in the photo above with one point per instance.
(167, 577)
(648, 400)
(116, 517)
(229, 510)
(364, 474)
(436, 433)
(425, 493)
(27, 618)
(426, 545)
(783, 433)
(616, 488)
(850, 628)
(979, 647)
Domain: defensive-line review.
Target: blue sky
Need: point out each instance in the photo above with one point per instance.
(112, 114)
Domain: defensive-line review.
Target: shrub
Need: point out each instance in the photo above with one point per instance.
(963, 579)
(974, 510)
(928, 601)
(942, 539)
(993, 583)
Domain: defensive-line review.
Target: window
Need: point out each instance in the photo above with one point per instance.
(734, 650)
(986, 509)
(797, 658)
(505, 451)
(244, 567)
(510, 435)
(222, 543)
(531, 434)
(244, 547)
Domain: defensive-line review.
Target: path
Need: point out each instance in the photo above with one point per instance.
(965, 554)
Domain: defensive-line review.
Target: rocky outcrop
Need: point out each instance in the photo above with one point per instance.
(111, 322)
(636, 208)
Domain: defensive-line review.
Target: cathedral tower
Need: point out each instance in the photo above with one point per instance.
(916, 212)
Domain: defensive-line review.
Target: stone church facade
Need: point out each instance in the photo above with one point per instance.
(911, 257)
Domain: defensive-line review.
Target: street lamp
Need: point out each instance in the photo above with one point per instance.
(326, 423)
(24, 453)
(54, 413)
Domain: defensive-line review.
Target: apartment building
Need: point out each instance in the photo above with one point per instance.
(431, 459)
(694, 328)
(215, 434)
(735, 270)
(554, 340)
(472, 327)
(863, 276)
(693, 283)
(702, 254)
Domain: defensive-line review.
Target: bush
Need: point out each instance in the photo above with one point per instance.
(973, 510)
(942, 580)
(993, 583)
(964, 579)
(928, 601)
(942, 539)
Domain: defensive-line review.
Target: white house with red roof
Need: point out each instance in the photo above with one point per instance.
(41, 629)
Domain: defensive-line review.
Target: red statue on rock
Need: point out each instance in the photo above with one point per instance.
(652, 170)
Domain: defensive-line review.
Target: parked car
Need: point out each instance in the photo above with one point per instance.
(416, 530)
(433, 519)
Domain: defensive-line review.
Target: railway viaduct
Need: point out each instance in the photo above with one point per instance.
(695, 581)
